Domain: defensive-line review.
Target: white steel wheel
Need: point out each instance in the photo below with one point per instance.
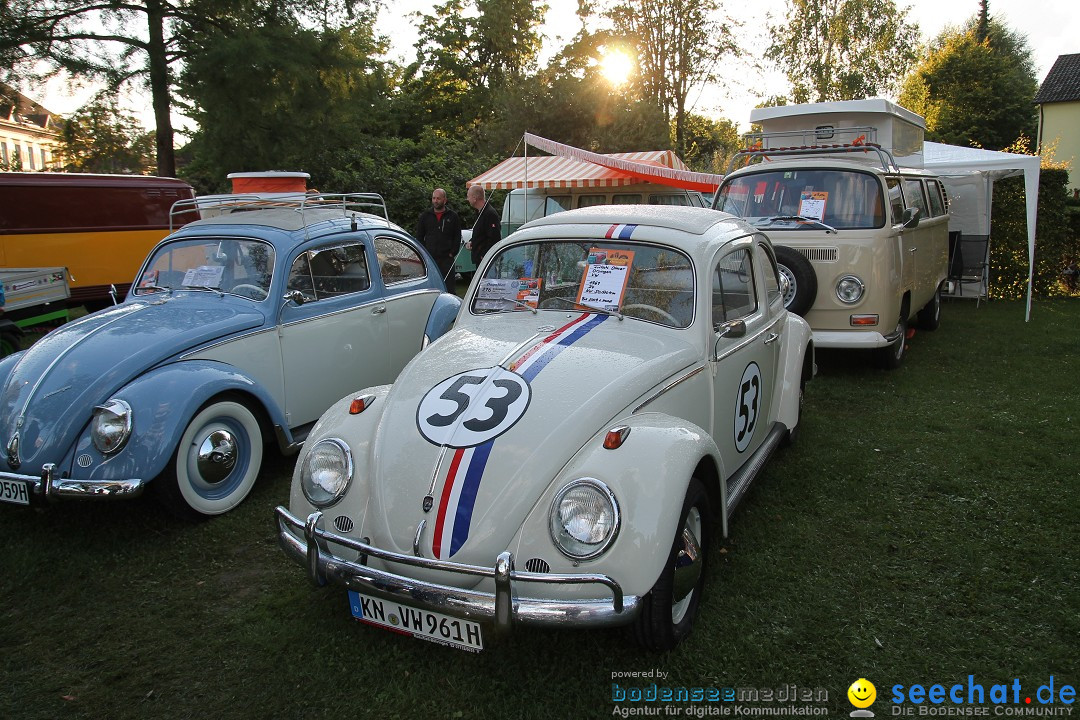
(668, 610)
(216, 462)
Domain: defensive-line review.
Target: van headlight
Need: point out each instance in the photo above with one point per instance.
(584, 519)
(326, 472)
(849, 289)
(110, 427)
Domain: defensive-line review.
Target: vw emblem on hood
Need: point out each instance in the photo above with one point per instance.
(13, 452)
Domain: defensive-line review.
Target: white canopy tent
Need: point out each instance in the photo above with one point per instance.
(970, 174)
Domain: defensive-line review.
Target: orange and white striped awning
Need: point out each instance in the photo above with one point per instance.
(572, 167)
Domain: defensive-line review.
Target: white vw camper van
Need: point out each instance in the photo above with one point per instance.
(861, 229)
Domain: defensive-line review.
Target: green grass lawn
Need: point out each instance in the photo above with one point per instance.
(925, 528)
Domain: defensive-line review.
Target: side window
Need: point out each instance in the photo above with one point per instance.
(590, 200)
(913, 191)
(300, 277)
(333, 271)
(397, 261)
(896, 199)
(733, 287)
(767, 263)
(626, 199)
(937, 205)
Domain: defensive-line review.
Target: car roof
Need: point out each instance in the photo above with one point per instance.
(692, 220)
(828, 162)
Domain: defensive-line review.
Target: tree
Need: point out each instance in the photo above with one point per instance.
(679, 45)
(843, 49)
(974, 91)
(101, 138)
(119, 41)
(710, 144)
(282, 96)
(467, 52)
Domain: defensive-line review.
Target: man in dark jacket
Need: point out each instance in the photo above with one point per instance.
(439, 230)
(486, 229)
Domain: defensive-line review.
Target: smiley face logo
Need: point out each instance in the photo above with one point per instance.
(862, 693)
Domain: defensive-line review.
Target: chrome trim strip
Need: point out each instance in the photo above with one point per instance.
(64, 353)
(245, 334)
(503, 608)
(374, 301)
(667, 387)
(521, 347)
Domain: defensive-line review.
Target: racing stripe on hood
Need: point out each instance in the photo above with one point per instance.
(467, 465)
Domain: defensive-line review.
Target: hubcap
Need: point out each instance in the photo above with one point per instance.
(217, 456)
(688, 565)
(792, 286)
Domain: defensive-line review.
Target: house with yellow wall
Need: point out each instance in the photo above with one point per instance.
(1059, 115)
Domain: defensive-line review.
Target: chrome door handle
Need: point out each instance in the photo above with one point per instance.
(915, 249)
(771, 338)
(379, 310)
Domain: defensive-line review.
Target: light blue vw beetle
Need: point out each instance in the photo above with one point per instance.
(240, 330)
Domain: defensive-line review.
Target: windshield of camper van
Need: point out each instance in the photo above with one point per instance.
(238, 267)
(648, 282)
(805, 199)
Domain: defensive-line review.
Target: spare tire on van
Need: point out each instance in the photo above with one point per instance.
(802, 280)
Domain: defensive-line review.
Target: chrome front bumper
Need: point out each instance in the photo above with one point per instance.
(307, 544)
(49, 487)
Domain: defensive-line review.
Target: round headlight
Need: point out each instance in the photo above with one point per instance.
(327, 472)
(584, 519)
(110, 427)
(849, 289)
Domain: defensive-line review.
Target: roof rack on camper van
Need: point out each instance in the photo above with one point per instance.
(808, 142)
(214, 205)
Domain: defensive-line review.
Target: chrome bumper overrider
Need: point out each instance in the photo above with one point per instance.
(306, 543)
(50, 487)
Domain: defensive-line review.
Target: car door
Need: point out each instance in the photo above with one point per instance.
(745, 337)
(409, 296)
(335, 342)
(917, 243)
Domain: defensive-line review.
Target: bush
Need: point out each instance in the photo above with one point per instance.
(1055, 237)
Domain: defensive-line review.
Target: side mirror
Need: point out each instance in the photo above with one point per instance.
(732, 329)
(910, 218)
(294, 296)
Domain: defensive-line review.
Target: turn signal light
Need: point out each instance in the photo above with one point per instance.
(864, 319)
(360, 404)
(616, 436)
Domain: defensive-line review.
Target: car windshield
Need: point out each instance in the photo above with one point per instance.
(647, 282)
(237, 267)
(805, 199)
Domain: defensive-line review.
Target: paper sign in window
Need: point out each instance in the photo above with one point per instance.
(812, 204)
(606, 274)
(496, 294)
(204, 276)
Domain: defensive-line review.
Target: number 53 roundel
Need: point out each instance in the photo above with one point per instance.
(472, 407)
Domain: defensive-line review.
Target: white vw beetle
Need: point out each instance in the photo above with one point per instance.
(616, 378)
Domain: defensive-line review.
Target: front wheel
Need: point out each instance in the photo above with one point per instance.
(668, 610)
(891, 356)
(216, 462)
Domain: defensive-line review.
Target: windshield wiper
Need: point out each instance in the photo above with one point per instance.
(205, 287)
(591, 308)
(804, 219)
(155, 288)
(525, 305)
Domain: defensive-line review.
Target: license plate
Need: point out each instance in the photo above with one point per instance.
(14, 491)
(423, 624)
